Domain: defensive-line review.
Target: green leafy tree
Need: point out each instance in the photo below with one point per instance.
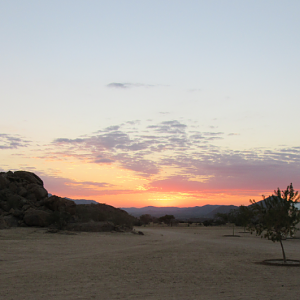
(276, 217)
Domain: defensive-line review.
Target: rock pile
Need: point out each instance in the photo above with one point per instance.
(24, 201)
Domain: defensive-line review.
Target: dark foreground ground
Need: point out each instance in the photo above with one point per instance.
(165, 263)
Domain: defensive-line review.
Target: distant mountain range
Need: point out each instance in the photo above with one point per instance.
(181, 213)
(83, 201)
(206, 211)
(79, 201)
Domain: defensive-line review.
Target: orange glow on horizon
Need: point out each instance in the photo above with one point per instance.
(168, 199)
(120, 187)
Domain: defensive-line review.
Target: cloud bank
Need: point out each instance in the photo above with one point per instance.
(174, 158)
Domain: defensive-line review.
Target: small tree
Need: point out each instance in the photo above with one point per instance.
(146, 219)
(167, 219)
(222, 218)
(230, 217)
(244, 216)
(277, 216)
(60, 218)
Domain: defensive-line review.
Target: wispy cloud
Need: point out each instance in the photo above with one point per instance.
(173, 127)
(170, 155)
(134, 150)
(62, 186)
(9, 141)
(126, 85)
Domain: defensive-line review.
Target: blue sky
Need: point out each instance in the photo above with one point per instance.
(224, 69)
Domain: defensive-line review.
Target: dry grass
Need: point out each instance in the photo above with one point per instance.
(165, 263)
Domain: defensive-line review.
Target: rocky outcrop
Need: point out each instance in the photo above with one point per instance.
(91, 226)
(56, 203)
(3, 224)
(24, 201)
(36, 217)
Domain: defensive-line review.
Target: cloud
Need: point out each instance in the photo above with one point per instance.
(213, 133)
(143, 167)
(8, 141)
(112, 128)
(126, 147)
(126, 85)
(221, 177)
(173, 127)
(234, 170)
(91, 183)
(118, 85)
(177, 183)
(68, 141)
(170, 156)
(67, 187)
(173, 158)
(103, 160)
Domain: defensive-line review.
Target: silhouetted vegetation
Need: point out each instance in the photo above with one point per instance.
(102, 212)
(167, 219)
(208, 222)
(147, 219)
(276, 217)
(60, 219)
(243, 216)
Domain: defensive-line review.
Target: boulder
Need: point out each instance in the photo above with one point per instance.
(36, 191)
(91, 226)
(4, 206)
(13, 187)
(18, 213)
(5, 194)
(22, 192)
(15, 201)
(31, 197)
(3, 224)
(24, 202)
(11, 221)
(29, 177)
(56, 203)
(3, 181)
(35, 217)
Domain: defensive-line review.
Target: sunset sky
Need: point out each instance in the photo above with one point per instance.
(152, 102)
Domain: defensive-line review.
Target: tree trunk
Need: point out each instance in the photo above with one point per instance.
(283, 253)
(233, 229)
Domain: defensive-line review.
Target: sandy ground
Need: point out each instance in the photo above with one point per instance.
(165, 263)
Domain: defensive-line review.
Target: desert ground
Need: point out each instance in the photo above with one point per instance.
(165, 263)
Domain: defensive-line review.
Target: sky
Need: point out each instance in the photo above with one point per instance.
(163, 103)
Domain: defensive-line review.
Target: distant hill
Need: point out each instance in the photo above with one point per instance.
(206, 211)
(181, 213)
(79, 201)
(83, 201)
(224, 209)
